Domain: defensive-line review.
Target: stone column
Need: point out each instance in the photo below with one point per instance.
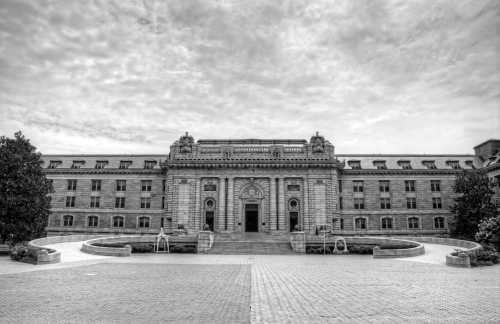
(221, 207)
(197, 221)
(230, 203)
(282, 205)
(305, 213)
(272, 207)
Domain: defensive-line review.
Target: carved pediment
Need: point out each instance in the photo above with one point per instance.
(251, 192)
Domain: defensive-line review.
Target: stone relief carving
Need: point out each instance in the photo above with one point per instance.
(186, 143)
(317, 143)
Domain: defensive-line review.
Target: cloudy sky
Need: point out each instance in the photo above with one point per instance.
(132, 76)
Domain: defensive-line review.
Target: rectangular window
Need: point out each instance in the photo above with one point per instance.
(411, 203)
(145, 202)
(72, 185)
(124, 164)
(429, 164)
(54, 164)
(149, 164)
(410, 185)
(359, 203)
(164, 185)
(143, 222)
(93, 221)
(146, 185)
(101, 164)
(439, 222)
(95, 202)
(341, 223)
(341, 204)
(68, 220)
(435, 185)
(386, 223)
(384, 185)
(360, 223)
(385, 203)
(96, 185)
(436, 203)
(293, 187)
(340, 185)
(354, 164)
(413, 223)
(70, 201)
(118, 221)
(210, 187)
(380, 165)
(357, 186)
(120, 202)
(121, 185)
(77, 164)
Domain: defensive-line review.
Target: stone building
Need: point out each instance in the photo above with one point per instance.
(257, 185)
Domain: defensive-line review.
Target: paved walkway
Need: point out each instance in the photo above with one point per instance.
(151, 288)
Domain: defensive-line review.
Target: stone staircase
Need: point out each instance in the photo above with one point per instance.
(251, 243)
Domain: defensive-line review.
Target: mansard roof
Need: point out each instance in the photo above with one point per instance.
(89, 161)
(466, 161)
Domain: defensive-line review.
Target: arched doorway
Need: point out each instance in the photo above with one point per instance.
(293, 213)
(251, 196)
(210, 213)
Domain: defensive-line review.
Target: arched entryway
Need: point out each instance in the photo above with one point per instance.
(251, 196)
(293, 214)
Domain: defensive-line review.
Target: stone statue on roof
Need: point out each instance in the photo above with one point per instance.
(186, 143)
(317, 143)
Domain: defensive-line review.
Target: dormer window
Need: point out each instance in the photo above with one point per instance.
(124, 164)
(54, 164)
(380, 164)
(429, 164)
(470, 164)
(354, 164)
(453, 164)
(77, 164)
(149, 164)
(405, 164)
(101, 164)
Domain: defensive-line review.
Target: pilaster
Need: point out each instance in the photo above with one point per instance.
(282, 205)
(221, 205)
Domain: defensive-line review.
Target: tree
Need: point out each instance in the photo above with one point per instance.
(489, 232)
(473, 203)
(24, 189)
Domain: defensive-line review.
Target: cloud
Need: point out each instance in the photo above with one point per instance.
(132, 76)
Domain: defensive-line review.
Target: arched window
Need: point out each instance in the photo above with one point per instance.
(387, 223)
(92, 221)
(68, 220)
(413, 223)
(439, 222)
(118, 221)
(360, 223)
(143, 222)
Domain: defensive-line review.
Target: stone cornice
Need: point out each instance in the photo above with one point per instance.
(102, 171)
(402, 172)
(249, 163)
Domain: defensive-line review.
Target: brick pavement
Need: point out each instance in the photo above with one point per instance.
(279, 289)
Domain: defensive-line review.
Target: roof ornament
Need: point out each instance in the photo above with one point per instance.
(317, 143)
(186, 143)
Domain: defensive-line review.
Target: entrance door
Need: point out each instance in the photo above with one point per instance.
(294, 220)
(251, 218)
(209, 219)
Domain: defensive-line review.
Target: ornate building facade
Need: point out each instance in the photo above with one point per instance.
(270, 186)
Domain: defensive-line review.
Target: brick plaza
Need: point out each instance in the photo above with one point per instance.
(251, 288)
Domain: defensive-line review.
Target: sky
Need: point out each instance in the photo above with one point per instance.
(129, 76)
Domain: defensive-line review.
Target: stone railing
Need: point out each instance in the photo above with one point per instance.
(414, 248)
(205, 241)
(298, 242)
(462, 260)
(90, 247)
(45, 255)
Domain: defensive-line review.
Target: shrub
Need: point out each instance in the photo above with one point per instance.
(360, 249)
(21, 253)
(489, 231)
